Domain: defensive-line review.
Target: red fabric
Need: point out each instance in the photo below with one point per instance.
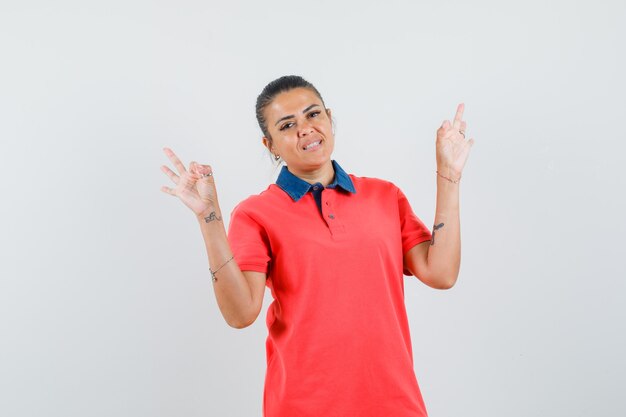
(338, 342)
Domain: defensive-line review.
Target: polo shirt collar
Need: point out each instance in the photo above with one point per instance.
(297, 187)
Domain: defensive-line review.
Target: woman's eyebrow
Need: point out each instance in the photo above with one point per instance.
(291, 115)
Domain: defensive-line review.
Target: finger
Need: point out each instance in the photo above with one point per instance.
(179, 165)
(458, 117)
(462, 129)
(168, 190)
(453, 135)
(202, 171)
(193, 170)
(444, 128)
(170, 174)
(205, 171)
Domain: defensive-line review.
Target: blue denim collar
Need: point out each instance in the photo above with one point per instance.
(297, 187)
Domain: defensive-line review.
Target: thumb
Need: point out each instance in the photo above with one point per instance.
(204, 171)
(442, 129)
(193, 168)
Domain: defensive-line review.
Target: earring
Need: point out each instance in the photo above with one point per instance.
(276, 157)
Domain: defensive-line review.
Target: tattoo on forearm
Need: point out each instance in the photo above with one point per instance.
(212, 217)
(435, 228)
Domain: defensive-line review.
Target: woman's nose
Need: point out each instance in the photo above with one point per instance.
(305, 128)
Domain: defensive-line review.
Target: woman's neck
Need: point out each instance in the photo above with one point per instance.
(324, 175)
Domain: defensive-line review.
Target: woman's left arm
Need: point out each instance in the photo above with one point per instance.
(437, 262)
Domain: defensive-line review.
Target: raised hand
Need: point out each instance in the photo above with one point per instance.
(452, 148)
(194, 187)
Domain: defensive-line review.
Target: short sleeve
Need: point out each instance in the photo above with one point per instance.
(249, 242)
(413, 230)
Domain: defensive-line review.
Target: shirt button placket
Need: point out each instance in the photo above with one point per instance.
(329, 211)
(326, 208)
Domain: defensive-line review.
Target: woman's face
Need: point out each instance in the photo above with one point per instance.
(301, 130)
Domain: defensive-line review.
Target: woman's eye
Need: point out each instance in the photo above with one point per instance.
(288, 125)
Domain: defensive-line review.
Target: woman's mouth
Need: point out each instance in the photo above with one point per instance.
(312, 146)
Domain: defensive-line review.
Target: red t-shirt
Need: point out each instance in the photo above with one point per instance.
(338, 342)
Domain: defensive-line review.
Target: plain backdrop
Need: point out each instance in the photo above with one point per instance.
(106, 303)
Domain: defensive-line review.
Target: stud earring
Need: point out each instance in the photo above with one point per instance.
(276, 157)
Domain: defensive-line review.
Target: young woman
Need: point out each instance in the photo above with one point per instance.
(333, 248)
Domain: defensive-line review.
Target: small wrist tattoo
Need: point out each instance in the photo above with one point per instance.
(435, 228)
(212, 217)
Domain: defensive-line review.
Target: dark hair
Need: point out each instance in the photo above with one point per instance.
(279, 85)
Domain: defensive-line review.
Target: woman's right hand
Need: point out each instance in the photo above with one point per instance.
(195, 187)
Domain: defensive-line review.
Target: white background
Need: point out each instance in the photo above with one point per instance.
(106, 303)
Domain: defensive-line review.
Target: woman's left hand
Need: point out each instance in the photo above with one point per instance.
(452, 147)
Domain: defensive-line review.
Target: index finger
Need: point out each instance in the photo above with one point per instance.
(459, 114)
(179, 165)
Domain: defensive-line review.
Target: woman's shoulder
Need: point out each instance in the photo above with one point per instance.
(372, 183)
(259, 202)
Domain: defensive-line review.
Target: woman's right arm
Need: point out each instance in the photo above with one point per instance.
(239, 294)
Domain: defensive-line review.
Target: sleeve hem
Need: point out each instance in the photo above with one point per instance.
(416, 241)
(253, 267)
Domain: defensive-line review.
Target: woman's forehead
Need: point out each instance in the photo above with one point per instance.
(292, 102)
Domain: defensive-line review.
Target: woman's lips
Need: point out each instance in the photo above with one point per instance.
(312, 146)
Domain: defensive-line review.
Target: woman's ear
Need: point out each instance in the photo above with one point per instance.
(330, 117)
(267, 143)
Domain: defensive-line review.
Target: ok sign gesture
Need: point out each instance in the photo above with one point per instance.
(194, 187)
